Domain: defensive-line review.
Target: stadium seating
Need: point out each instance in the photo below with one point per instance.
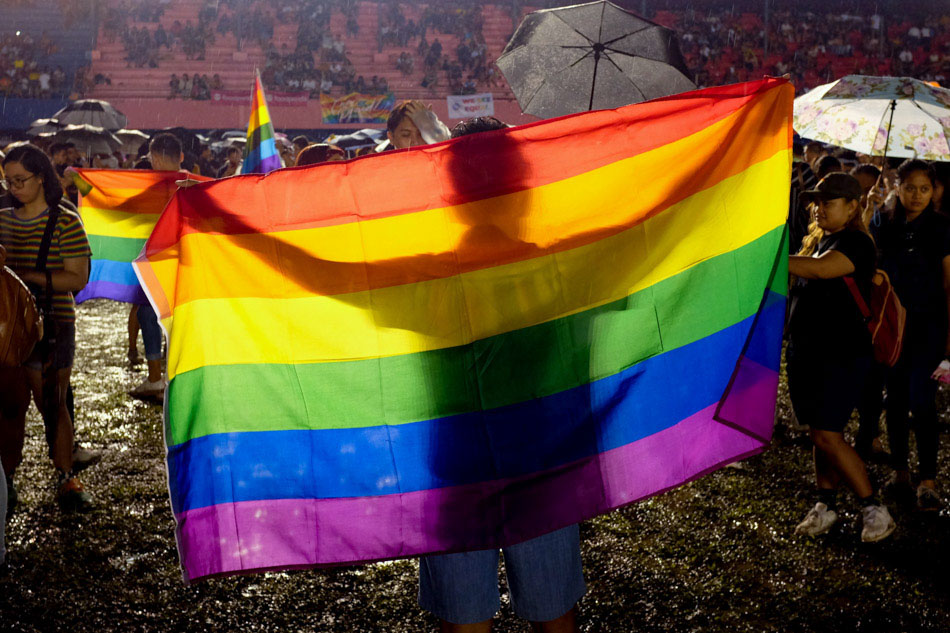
(236, 67)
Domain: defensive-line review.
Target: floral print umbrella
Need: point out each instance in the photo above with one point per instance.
(855, 112)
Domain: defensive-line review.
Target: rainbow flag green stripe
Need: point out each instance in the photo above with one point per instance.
(472, 343)
(397, 384)
(119, 249)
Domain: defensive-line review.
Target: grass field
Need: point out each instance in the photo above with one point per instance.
(716, 555)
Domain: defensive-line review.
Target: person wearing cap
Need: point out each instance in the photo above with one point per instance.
(829, 353)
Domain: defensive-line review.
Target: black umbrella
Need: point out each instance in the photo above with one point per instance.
(190, 143)
(591, 56)
(92, 112)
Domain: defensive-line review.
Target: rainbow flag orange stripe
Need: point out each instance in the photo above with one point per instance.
(119, 209)
(468, 344)
(260, 152)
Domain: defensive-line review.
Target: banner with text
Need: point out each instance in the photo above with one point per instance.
(356, 108)
(243, 97)
(470, 106)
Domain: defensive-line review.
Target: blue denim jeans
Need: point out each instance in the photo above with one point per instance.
(545, 580)
(151, 332)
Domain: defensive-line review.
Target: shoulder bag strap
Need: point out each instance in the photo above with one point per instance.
(858, 299)
(43, 254)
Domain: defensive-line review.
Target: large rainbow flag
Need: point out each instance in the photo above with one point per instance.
(119, 208)
(260, 152)
(468, 344)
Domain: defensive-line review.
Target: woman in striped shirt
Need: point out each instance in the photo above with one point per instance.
(35, 189)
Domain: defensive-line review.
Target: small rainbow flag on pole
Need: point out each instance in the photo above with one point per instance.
(119, 208)
(260, 152)
(469, 344)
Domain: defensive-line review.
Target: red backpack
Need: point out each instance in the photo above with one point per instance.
(885, 317)
(20, 325)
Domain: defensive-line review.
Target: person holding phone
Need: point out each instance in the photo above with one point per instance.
(829, 353)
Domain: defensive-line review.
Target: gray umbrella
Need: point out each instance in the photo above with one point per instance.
(361, 138)
(39, 126)
(92, 112)
(590, 57)
(89, 139)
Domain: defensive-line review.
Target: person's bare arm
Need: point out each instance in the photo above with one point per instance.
(830, 265)
(72, 278)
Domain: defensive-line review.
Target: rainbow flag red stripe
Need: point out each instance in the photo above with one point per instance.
(260, 152)
(469, 344)
(119, 208)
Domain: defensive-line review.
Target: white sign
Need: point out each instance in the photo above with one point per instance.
(470, 106)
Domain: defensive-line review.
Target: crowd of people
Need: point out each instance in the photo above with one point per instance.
(856, 222)
(851, 217)
(721, 44)
(725, 46)
(25, 72)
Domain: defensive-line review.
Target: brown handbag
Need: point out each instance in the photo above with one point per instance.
(20, 323)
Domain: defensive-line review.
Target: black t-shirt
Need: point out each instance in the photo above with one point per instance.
(825, 318)
(912, 255)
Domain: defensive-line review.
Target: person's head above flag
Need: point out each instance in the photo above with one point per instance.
(165, 153)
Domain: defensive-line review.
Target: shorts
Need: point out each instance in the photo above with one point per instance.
(64, 351)
(545, 580)
(825, 391)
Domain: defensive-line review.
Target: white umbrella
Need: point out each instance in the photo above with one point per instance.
(131, 140)
(39, 126)
(89, 139)
(92, 112)
(879, 116)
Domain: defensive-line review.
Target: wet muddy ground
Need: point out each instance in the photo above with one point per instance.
(716, 555)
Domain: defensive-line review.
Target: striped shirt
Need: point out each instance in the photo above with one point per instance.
(22, 239)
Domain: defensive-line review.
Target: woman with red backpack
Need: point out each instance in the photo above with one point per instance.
(830, 353)
(46, 246)
(913, 242)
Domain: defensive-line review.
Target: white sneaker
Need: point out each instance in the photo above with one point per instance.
(150, 388)
(818, 521)
(878, 524)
